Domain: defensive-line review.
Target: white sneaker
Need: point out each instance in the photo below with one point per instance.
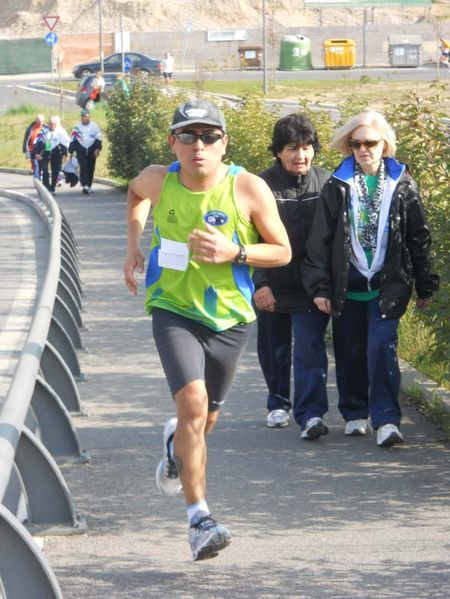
(388, 435)
(357, 428)
(314, 428)
(90, 190)
(277, 419)
(167, 477)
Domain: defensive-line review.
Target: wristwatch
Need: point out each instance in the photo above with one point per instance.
(241, 258)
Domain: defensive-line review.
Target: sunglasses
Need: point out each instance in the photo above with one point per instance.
(206, 138)
(355, 144)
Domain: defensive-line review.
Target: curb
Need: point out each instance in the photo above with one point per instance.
(410, 377)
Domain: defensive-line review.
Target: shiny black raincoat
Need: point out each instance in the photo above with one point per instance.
(407, 260)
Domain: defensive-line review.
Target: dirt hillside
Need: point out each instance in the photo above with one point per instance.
(23, 18)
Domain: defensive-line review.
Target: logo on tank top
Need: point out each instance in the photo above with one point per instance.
(215, 218)
(172, 217)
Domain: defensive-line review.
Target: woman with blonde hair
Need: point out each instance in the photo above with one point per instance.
(368, 245)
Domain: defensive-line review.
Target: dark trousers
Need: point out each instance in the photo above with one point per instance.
(53, 160)
(367, 371)
(86, 161)
(310, 364)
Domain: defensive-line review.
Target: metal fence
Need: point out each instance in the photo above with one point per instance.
(36, 430)
(24, 56)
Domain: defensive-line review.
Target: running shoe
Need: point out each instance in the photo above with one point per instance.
(167, 477)
(206, 537)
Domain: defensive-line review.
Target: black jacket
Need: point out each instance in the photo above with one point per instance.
(327, 266)
(26, 136)
(296, 196)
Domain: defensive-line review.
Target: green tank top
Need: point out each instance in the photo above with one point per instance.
(216, 295)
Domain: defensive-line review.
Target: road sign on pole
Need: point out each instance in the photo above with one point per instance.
(51, 22)
(51, 39)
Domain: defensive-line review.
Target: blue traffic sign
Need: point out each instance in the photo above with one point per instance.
(51, 39)
(127, 64)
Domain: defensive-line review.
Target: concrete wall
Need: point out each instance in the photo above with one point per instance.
(75, 49)
(191, 49)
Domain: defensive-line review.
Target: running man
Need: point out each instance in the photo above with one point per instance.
(208, 217)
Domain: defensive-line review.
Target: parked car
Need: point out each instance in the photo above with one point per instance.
(86, 87)
(113, 64)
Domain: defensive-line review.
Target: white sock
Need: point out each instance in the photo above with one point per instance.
(196, 507)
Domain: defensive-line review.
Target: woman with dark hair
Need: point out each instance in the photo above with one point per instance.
(369, 243)
(285, 311)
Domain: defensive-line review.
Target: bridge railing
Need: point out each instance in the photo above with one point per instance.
(36, 430)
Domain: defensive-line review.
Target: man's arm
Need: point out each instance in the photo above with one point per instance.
(256, 201)
(143, 192)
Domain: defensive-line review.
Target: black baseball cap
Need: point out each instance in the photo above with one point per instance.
(198, 112)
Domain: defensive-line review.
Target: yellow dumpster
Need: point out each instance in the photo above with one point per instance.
(339, 54)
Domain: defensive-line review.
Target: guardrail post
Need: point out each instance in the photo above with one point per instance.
(56, 429)
(67, 297)
(64, 316)
(50, 508)
(31, 575)
(66, 278)
(73, 272)
(59, 377)
(61, 341)
(68, 258)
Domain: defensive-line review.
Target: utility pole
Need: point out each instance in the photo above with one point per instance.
(265, 89)
(100, 33)
(122, 49)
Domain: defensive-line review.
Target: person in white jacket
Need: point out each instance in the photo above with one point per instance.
(86, 143)
(50, 149)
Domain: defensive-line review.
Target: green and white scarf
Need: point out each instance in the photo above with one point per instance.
(366, 221)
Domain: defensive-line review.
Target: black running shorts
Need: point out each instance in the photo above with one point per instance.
(190, 351)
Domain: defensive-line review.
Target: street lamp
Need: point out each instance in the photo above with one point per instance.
(265, 89)
(100, 33)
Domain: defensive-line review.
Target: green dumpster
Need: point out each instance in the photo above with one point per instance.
(295, 53)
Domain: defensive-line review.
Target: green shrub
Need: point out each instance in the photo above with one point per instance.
(423, 143)
(137, 128)
(249, 127)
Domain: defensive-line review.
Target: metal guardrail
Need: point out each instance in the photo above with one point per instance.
(36, 429)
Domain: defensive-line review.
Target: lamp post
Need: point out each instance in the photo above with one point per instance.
(100, 33)
(265, 89)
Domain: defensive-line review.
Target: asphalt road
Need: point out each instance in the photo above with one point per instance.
(336, 518)
(14, 90)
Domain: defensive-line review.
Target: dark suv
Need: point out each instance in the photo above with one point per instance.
(134, 62)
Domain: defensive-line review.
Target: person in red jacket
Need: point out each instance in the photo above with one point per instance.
(29, 140)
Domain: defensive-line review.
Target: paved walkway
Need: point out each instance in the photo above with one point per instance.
(329, 519)
(23, 257)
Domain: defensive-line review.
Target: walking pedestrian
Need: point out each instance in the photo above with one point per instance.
(31, 133)
(86, 143)
(167, 69)
(50, 149)
(369, 243)
(207, 217)
(285, 310)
